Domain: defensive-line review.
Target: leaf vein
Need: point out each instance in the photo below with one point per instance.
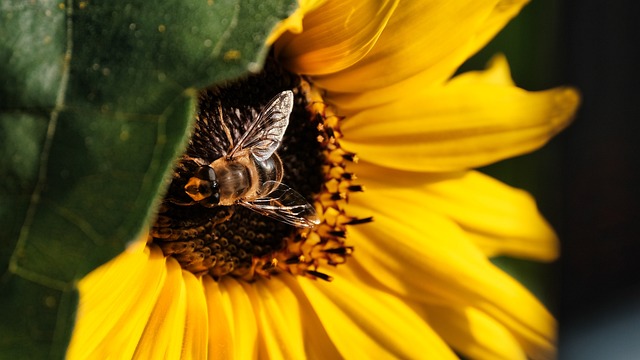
(48, 143)
(217, 49)
(84, 226)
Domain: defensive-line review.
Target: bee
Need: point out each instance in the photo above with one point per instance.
(250, 173)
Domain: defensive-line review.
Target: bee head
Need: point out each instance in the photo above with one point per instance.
(203, 187)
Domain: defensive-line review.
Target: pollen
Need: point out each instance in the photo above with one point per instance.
(236, 241)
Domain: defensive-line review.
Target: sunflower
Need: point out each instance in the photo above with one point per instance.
(382, 140)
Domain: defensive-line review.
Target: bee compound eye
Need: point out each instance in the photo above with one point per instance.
(211, 201)
(206, 173)
(212, 189)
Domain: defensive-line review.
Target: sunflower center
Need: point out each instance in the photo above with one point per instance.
(219, 240)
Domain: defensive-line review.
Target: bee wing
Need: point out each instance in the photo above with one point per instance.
(264, 135)
(286, 205)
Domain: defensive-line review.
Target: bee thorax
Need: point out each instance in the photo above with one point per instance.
(234, 180)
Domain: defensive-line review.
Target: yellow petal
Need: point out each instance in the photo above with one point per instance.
(279, 319)
(284, 322)
(348, 104)
(432, 37)
(316, 341)
(497, 72)
(196, 329)
(115, 302)
(473, 333)
(335, 36)
(163, 335)
(294, 22)
(237, 305)
(424, 257)
(499, 219)
(362, 321)
(220, 337)
(469, 331)
(501, 14)
(467, 123)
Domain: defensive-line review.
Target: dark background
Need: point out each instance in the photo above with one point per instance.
(586, 180)
(600, 278)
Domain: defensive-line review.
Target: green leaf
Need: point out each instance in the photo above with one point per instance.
(96, 101)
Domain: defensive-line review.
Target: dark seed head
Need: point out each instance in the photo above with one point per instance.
(226, 239)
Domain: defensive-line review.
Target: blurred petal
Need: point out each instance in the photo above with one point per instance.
(242, 319)
(220, 337)
(163, 336)
(278, 318)
(441, 69)
(467, 123)
(432, 37)
(362, 321)
(501, 14)
(196, 330)
(473, 333)
(499, 219)
(287, 323)
(497, 72)
(116, 300)
(433, 262)
(335, 36)
(293, 23)
(317, 343)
